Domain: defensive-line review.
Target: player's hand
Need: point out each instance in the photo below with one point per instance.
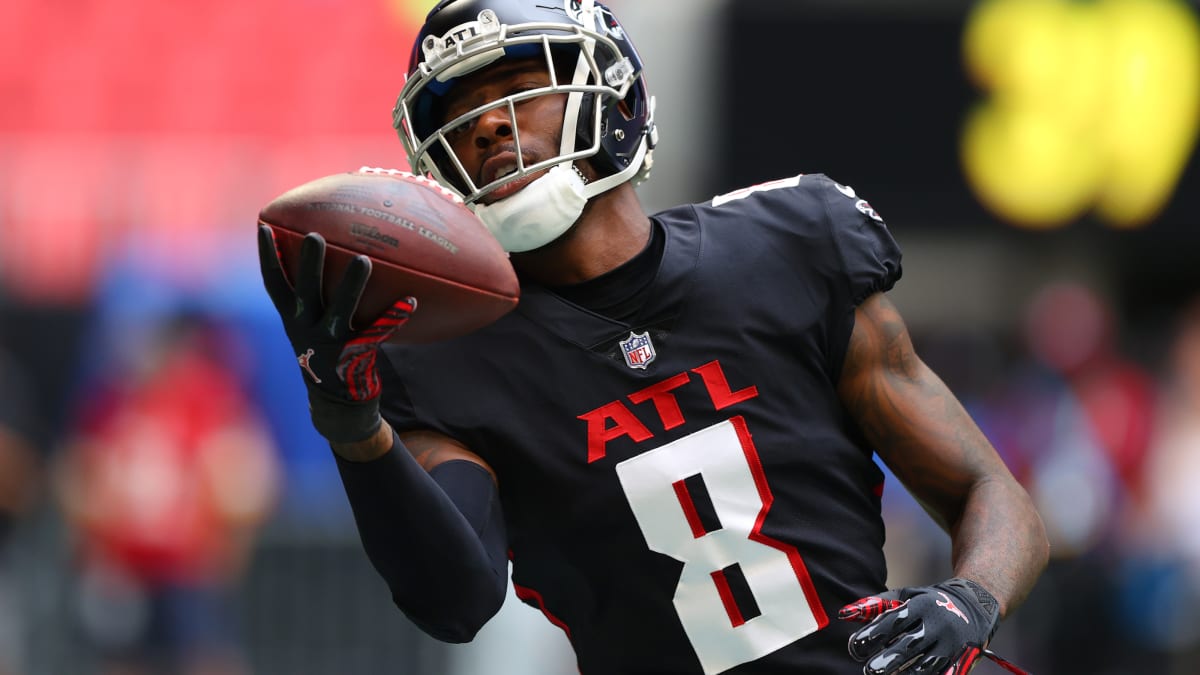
(337, 362)
(941, 629)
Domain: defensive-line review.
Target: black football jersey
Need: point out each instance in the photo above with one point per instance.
(684, 493)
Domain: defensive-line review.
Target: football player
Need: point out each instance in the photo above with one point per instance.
(672, 437)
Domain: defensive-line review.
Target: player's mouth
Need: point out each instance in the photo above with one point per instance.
(500, 167)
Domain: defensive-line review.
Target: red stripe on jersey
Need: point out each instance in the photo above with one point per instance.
(528, 594)
(689, 509)
(726, 593)
(764, 491)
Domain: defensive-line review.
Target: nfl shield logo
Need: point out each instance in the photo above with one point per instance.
(638, 350)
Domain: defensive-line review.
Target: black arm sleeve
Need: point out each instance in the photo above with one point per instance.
(437, 538)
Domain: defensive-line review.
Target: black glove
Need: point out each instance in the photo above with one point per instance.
(940, 629)
(337, 362)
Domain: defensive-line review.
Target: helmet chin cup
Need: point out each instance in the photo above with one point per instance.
(540, 213)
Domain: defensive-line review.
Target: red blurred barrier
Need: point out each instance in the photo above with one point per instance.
(132, 117)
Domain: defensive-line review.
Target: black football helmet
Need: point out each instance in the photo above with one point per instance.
(609, 118)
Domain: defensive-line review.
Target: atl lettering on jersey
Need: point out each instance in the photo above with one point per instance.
(613, 420)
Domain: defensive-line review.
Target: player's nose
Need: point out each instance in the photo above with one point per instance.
(493, 125)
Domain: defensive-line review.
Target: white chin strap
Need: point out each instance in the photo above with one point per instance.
(539, 213)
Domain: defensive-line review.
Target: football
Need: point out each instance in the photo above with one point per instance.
(421, 239)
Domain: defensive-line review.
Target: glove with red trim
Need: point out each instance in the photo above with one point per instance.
(941, 629)
(337, 361)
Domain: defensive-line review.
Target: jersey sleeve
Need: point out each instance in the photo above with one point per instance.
(869, 255)
(839, 244)
(838, 237)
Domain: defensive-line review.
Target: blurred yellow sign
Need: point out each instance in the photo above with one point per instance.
(411, 12)
(1091, 105)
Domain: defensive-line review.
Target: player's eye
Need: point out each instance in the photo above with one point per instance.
(522, 87)
(458, 131)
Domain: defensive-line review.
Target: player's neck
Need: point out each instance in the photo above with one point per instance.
(612, 230)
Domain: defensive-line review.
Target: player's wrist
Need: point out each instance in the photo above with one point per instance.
(341, 421)
(369, 449)
(983, 602)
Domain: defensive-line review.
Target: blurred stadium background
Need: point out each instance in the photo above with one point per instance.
(1036, 159)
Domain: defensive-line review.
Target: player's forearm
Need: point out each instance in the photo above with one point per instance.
(1000, 541)
(997, 537)
(923, 433)
(436, 539)
(943, 458)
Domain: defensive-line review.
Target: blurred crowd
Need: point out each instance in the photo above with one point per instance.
(161, 475)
